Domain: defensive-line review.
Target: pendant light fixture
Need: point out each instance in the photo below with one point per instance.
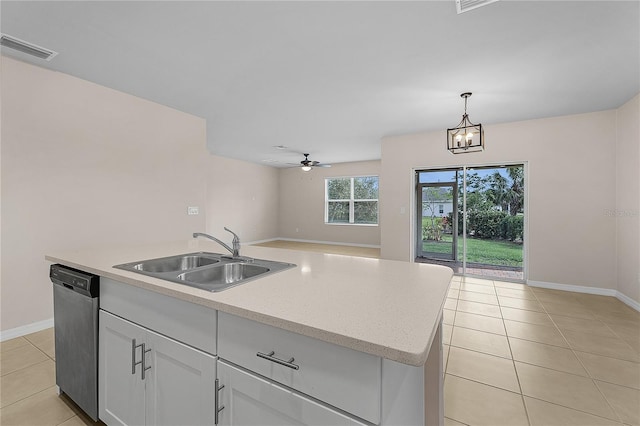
(466, 136)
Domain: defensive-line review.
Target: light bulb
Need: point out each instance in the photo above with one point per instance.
(469, 138)
(306, 168)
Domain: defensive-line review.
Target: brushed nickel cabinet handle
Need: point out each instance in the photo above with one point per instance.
(144, 357)
(133, 355)
(270, 356)
(217, 401)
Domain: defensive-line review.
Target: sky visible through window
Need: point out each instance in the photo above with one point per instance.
(437, 176)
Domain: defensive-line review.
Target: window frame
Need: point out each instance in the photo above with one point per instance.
(350, 200)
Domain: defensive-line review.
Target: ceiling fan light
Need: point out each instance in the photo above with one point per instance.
(306, 168)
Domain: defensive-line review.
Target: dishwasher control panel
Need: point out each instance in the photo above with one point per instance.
(76, 280)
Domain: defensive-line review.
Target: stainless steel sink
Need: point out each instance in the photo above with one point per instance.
(209, 271)
(176, 263)
(222, 275)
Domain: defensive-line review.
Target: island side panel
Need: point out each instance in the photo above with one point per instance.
(434, 382)
(414, 395)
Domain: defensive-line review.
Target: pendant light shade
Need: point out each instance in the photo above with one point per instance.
(466, 136)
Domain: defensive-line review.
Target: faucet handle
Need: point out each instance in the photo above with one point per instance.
(235, 236)
(235, 243)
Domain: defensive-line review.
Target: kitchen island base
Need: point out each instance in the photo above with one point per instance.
(335, 340)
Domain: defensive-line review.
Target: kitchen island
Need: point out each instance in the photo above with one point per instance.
(348, 340)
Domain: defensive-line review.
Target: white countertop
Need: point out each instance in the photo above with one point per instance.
(386, 308)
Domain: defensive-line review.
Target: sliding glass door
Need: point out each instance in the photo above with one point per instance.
(472, 219)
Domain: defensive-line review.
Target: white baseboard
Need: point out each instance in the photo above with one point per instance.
(628, 301)
(334, 243)
(588, 290)
(573, 288)
(25, 329)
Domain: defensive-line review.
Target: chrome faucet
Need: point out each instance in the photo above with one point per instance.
(235, 251)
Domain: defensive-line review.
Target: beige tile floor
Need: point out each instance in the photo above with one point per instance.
(28, 393)
(519, 355)
(513, 355)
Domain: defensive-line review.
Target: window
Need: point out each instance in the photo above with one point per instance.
(351, 200)
(441, 208)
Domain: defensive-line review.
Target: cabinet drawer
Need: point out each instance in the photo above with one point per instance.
(183, 321)
(251, 400)
(339, 376)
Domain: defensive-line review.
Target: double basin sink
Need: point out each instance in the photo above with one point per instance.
(208, 271)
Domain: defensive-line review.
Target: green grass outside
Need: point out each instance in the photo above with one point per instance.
(491, 252)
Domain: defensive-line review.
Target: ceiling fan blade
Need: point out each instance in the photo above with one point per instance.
(322, 165)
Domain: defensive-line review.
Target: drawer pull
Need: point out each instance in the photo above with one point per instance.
(272, 358)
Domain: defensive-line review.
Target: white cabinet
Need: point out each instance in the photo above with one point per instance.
(308, 381)
(146, 378)
(338, 376)
(251, 400)
(121, 395)
(265, 375)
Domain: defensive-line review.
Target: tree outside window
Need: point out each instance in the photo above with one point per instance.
(352, 200)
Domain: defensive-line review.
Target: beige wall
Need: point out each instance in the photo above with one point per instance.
(85, 166)
(302, 205)
(243, 197)
(627, 208)
(571, 183)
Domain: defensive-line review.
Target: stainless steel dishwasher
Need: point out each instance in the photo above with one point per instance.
(75, 314)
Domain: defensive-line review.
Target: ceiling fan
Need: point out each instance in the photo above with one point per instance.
(307, 165)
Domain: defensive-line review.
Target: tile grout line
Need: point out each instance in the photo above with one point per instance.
(485, 384)
(515, 370)
(28, 396)
(73, 413)
(30, 365)
(576, 409)
(455, 313)
(457, 421)
(43, 352)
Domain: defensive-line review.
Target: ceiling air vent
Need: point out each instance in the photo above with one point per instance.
(467, 5)
(25, 47)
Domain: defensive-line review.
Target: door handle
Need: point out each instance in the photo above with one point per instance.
(133, 355)
(216, 401)
(145, 367)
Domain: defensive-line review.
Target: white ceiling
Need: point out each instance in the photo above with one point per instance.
(331, 78)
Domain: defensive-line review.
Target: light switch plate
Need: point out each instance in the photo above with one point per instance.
(192, 210)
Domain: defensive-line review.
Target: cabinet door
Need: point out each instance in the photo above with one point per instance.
(180, 383)
(121, 393)
(251, 400)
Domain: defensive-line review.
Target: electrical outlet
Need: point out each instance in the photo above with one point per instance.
(192, 210)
